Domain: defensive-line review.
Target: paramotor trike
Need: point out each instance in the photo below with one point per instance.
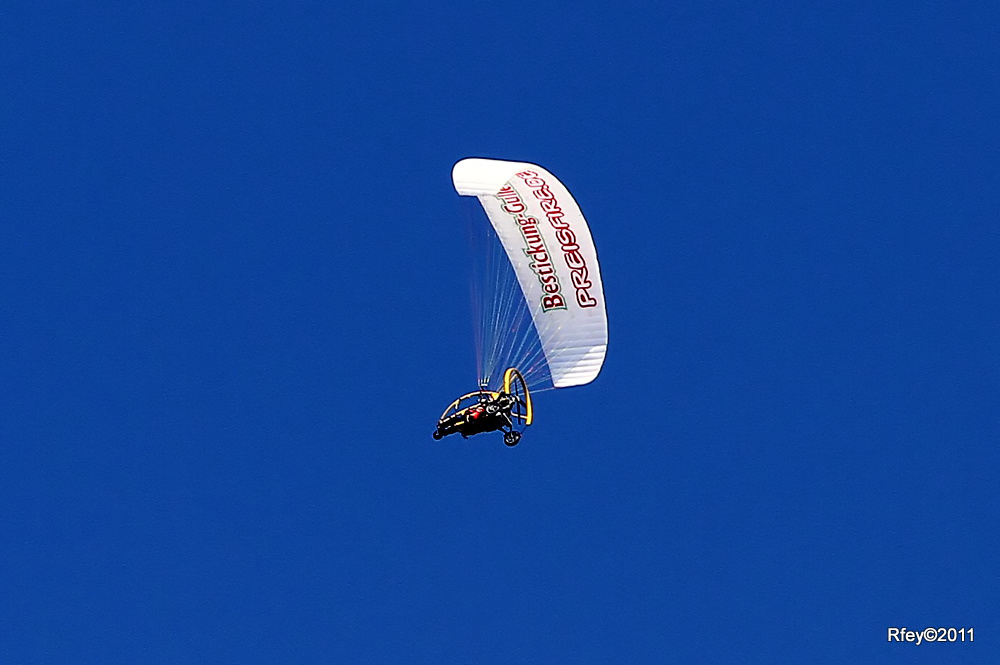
(507, 410)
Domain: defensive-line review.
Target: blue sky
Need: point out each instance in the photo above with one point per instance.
(233, 306)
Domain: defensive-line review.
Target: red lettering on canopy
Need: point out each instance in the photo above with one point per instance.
(567, 239)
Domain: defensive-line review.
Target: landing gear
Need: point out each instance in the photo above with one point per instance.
(511, 438)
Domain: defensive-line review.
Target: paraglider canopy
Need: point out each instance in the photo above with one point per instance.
(550, 249)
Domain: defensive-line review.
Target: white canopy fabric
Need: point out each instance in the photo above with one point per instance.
(550, 247)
